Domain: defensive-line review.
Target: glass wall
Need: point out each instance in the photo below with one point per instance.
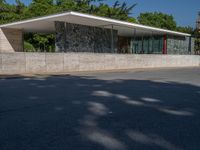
(147, 45)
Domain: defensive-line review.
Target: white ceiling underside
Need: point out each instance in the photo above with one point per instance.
(46, 25)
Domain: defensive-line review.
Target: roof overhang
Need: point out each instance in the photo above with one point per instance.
(46, 24)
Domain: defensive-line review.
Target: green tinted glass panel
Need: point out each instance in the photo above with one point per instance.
(147, 45)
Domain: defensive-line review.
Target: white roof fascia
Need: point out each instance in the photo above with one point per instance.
(129, 24)
(111, 21)
(35, 19)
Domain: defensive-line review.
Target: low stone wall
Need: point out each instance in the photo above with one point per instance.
(18, 63)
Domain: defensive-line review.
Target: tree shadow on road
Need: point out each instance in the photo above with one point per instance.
(85, 113)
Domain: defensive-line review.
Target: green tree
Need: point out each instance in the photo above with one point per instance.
(65, 5)
(118, 10)
(4, 11)
(19, 7)
(187, 29)
(157, 19)
(40, 8)
(10, 13)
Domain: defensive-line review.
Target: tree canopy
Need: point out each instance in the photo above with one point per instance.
(158, 19)
(18, 11)
(162, 20)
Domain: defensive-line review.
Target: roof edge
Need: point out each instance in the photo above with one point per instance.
(129, 23)
(35, 19)
(97, 18)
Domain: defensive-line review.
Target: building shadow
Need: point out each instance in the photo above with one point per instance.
(86, 113)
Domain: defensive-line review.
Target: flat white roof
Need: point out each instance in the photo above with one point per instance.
(46, 24)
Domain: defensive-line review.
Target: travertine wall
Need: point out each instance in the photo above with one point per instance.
(81, 38)
(17, 63)
(11, 40)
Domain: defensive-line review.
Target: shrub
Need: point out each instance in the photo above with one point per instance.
(28, 47)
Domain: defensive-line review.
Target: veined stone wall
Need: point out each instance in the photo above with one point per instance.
(19, 63)
(11, 40)
(80, 38)
(60, 36)
(192, 45)
(180, 45)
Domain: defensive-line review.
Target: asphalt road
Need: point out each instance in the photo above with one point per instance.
(136, 110)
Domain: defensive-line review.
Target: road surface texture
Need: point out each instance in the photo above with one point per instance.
(135, 110)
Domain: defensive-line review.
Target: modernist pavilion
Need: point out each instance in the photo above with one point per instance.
(77, 32)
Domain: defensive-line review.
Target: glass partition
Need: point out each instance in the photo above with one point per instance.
(147, 45)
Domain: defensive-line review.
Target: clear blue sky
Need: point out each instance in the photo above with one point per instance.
(184, 11)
